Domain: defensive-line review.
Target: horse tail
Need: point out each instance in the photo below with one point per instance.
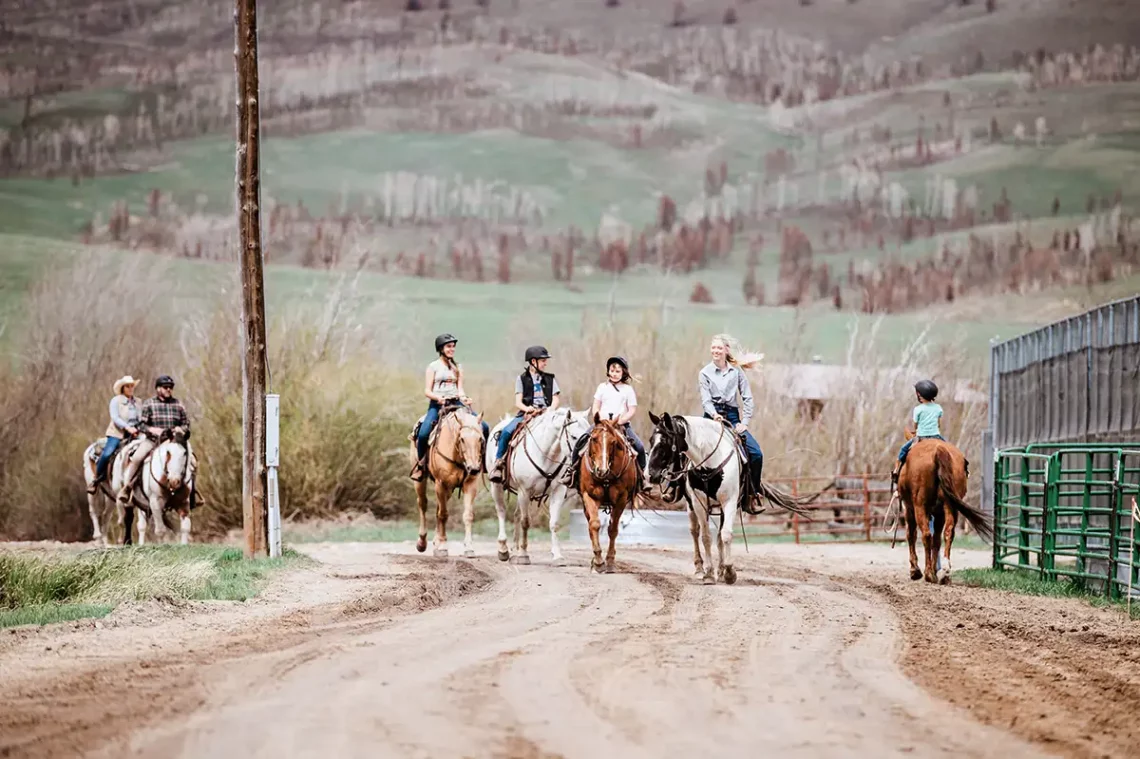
(787, 501)
(943, 465)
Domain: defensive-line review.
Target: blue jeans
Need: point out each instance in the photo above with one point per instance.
(505, 436)
(109, 449)
(906, 446)
(431, 418)
(751, 447)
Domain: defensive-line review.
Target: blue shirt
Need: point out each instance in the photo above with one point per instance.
(926, 416)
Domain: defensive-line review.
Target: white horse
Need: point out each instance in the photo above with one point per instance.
(166, 482)
(535, 465)
(102, 495)
(702, 458)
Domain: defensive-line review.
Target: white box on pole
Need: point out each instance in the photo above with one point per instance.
(272, 429)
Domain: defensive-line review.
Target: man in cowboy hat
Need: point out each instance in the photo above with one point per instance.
(124, 412)
(161, 415)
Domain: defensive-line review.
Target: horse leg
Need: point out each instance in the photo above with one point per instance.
(922, 517)
(469, 515)
(724, 538)
(127, 520)
(947, 539)
(911, 537)
(156, 516)
(421, 502)
(185, 525)
(615, 524)
(695, 531)
(441, 496)
(522, 526)
(500, 498)
(142, 515)
(556, 500)
(93, 510)
(590, 506)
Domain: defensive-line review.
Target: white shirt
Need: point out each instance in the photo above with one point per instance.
(615, 399)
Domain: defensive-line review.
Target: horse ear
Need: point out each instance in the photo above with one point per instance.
(479, 419)
(654, 418)
(597, 418)
(168, 457)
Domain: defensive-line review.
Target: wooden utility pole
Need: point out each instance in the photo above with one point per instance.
(253, 470)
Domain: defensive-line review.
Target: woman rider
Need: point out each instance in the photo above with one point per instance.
(124, 425)
(720, 384)
(535, 391)
(443, 386)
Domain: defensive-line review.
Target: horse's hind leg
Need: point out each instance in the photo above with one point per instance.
(92, 509)
(911, 537)
(441, 496)
(706, 540)
(421, 503)
(141, 514)
(947, 540)
(127, 520)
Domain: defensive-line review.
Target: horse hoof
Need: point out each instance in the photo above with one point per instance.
(915, 574)
(504, 555)
(469, 553)
(421, 544)
(708, 580)
(521, 559)
(931, 579)
(730, 575)
(944, 579)
(558, 562)
(608, 569)
(441, 553)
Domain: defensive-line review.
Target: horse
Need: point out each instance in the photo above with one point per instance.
(702, 460)
(167, 481)
(538, 451)
(932, 488)
(608, 478)
(99, 498)
(455, 461)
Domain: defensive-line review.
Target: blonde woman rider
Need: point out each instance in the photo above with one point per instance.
(443, 386)
(727, 396)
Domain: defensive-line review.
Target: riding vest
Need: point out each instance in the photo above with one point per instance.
(127, 410)
(545, 380)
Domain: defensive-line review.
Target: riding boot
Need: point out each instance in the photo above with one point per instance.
(497, 469)
(418, 471)
(569, 476)
(755, 471)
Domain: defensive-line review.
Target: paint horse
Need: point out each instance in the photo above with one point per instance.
(932, 488)
(454, 462)
(608, 479)
(703, 461)
(538, 450)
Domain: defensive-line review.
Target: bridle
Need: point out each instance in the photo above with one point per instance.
(563, 435)
(681, 464)
(607, 478)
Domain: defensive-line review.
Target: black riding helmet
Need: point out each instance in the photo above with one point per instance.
(164, 380)
(620, 361)
(443, 340)
(926, 389)
(535, 352)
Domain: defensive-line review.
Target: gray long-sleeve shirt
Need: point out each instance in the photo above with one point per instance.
(722, 387)
(132, 418)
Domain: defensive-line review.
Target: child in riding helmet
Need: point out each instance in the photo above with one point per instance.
(443, 386)
(924, 421)
(719, 383)
(536, 390)
(614, 399)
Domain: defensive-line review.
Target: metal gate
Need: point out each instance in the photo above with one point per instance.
(1066, 510)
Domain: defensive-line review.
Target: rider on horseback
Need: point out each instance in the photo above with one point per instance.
(614, 399)
(124, 425)
(443, 386)
(535, 391)
(923, 424)
(720, 382)
(161, 416)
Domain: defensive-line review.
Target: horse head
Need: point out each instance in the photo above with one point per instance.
(667, 447)
(469, 441)
(606, 450)
(168, 465)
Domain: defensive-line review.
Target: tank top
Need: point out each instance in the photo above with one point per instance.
(445, 382)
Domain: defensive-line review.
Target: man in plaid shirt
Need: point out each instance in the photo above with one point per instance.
(161, 415)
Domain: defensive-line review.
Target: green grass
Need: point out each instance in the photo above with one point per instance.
(39, 589)
(1029, 583)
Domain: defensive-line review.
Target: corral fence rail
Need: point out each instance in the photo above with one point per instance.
(850, 508)
(1065, 510)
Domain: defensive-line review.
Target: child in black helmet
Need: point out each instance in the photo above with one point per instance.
(924, 421)
(536, 390)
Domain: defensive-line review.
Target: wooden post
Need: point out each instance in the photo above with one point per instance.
(253, 479)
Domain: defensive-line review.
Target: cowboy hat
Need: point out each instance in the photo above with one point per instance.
(125, 380)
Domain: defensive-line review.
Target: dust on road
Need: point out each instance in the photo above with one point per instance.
(381, 653)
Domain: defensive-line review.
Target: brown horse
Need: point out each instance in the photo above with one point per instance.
(455, 460)
(932, 487)
(608, 479)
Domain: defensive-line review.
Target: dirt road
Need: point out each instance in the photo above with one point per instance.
(381, 653)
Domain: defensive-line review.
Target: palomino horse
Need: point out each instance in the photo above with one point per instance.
(539, 449)
(608, 478)
(166, 482)
(455, 460)
(932, 487)
(702, 460)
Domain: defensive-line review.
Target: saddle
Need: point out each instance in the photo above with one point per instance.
(745, 490)
(447, 410)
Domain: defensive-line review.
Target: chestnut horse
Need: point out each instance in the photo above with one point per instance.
(454, 461)
(608, 478)
(932, 487)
